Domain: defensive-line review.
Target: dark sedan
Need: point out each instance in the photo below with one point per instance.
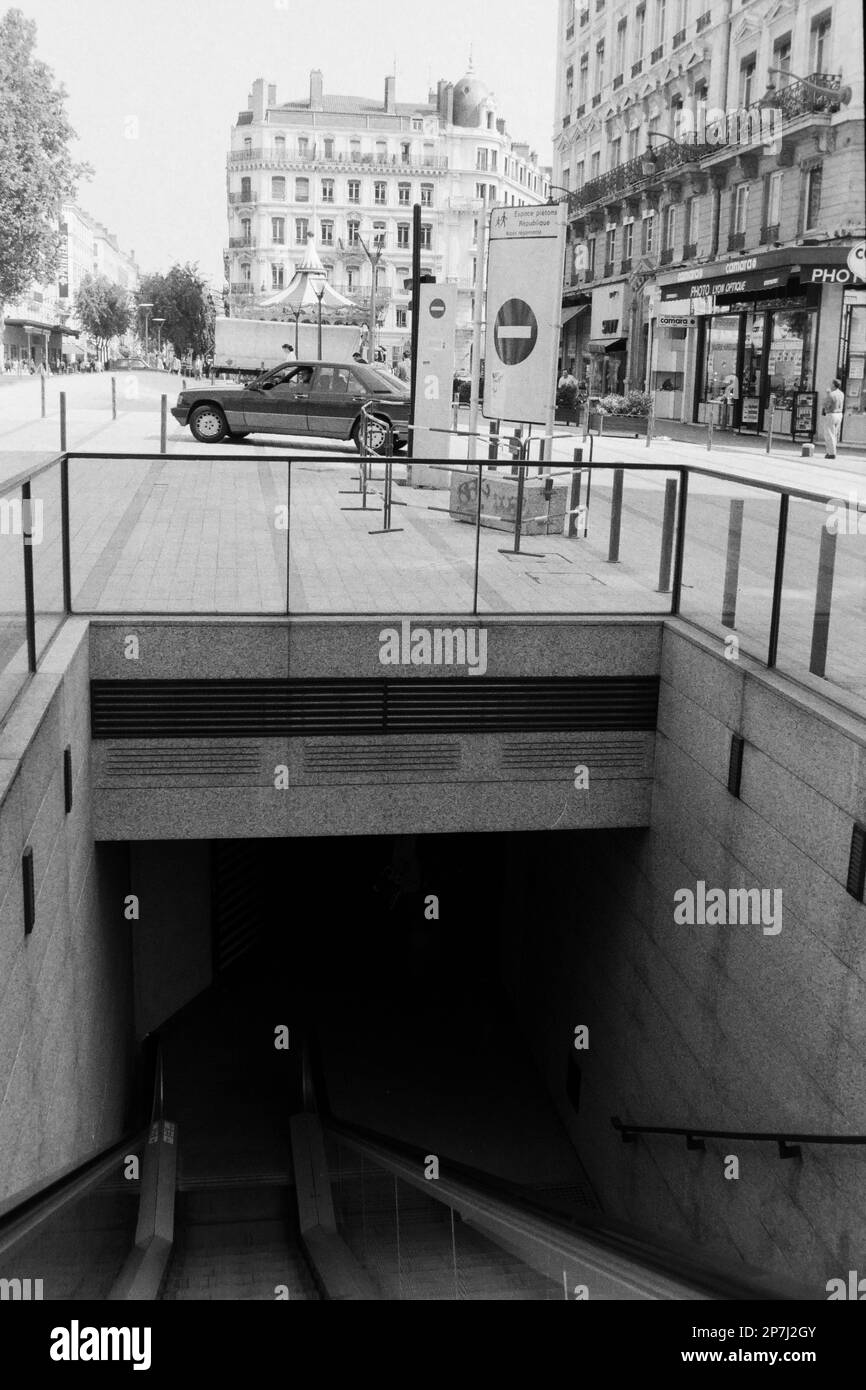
(325, 399)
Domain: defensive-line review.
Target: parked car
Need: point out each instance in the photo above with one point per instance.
(318, 398)
(127, 364)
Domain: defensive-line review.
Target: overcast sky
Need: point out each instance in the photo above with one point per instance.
(173, 74)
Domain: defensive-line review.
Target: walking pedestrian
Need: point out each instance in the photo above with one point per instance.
(834, 404)
(287, 351)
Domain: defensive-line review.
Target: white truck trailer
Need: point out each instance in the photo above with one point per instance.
(248, 346)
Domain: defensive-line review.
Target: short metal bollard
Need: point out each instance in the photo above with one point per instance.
(163, 425)
(42, 394)
(823, 603)
(615, 517)
(114, 398)
(732, 563)
(63, 422)
(667, 549)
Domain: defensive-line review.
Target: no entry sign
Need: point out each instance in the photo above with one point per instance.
(524, 311)
(515, 332)
(437, 308)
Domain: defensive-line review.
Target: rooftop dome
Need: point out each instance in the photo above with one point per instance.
(469, 93)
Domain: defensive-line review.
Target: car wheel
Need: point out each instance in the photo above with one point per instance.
(378, 434)
(208, 424)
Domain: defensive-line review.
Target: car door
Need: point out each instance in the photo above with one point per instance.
(277, 404)
(336, 397)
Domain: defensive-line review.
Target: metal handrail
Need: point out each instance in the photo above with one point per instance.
(788, 1140)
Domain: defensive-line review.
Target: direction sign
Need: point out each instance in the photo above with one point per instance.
(523, 311)
(515, 331)
(437, 308)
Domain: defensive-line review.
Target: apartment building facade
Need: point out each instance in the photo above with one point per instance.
(348, 170)
(42, 326)
(714, 159)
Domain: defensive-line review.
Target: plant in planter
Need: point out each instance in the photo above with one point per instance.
(567, 402)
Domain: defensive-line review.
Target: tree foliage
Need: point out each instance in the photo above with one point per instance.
(37, 173)
(181, 298)
(103, 308)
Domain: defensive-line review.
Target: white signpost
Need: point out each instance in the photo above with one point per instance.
(437, 325)
(524, 312)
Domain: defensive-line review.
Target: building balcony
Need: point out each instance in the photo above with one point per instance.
(569, 31)
(315, 158)
(618, 81)
(690, 250)
(736, 241)
(608, 270)
(704, 21)
(242, 243)
(770, 233)
(596, 101)
(566, 120)
(637, 67)
(625, 265)
(797, 99)
(666, 255)
(679, 38)
(243, 287)
(584, 18)
(243, 199)
(580, 110)
(657, 53)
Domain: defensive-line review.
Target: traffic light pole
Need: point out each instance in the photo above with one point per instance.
(416, 304)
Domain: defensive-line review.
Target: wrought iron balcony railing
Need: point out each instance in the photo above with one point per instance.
(797, 98)
(666, 256)
(690, 250)
(245, 287)
(769, 233)
(238, 243)
(736, 241)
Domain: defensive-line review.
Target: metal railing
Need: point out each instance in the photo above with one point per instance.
(789, 1141)
(639, 514)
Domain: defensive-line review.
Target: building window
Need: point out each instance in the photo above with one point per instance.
(278, 190)
(615, 153)
(773, 203)
(302, 227)
(590, 257)
(402, 318)
(628, 241)
(327, 190)
(599, 66)
(782, 60)
(417, 123)
(648, 235)
(302, 190)
(609, 245)
(813, 198)
(741, 207)
(277, 277)
(670, 227)
(578, 176)
(569, 86)
(660, 24)
(247, 190)
(303, 147)
(481, 159)
(747, 80)
(633, 141)
(353, 230)
(583, 79)
(639, 34)
(280, 147)
(426, 195)
(380, 192)
(481, 191)
(405, 152)
(428, 152)
(402, 233)
(379, 234)
(355, 150)
(278, 231)
(692, 220)
(381, 151)
(246, 273)
(620, 50)
(327, 233)
(353, 277)
(354, 194)
(404, 194)
(595, 164)
(820, 42)
(494, 160)
(246, 231)
(329, 147)
(248, 144)
(426, 236)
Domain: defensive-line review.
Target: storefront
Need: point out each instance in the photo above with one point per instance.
(604, 360)
(758, 329)
(852, 366)
(27, 343)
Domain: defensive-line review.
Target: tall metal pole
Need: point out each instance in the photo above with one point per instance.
(319, 297)
(477, 327)
(416, 313)
(546, 455)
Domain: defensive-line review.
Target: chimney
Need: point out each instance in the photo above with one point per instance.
(449, 103)
(258, 99)
(500, 125)
(390, 95)
(272, 94)
(316, 89)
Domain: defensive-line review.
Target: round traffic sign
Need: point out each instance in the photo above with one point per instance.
(437, 308)
(857, 260)
(515, 332)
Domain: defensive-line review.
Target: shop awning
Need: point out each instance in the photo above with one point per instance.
(759, 271)
(572, 313)
(607, 344)
(33, 326)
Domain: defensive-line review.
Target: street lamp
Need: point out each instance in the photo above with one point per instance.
(841, 94)
(559, 189)
(374, 258)
(147, 308)
(159, 323)
(651, 158)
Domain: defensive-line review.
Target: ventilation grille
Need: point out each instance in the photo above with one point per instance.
(857, 863)
(230, 763)
(359, 760)
(293, 709)
(606, 757)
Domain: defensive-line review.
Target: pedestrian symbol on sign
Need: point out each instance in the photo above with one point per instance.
(437, 308)
(515, 332)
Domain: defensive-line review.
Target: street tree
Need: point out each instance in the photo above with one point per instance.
(103, 309)
(37, 172)
(181, 298)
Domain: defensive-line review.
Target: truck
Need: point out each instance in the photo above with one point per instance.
(245, 347)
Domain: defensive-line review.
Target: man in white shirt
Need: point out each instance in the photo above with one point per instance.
(834, 404)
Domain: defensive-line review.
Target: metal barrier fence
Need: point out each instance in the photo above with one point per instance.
(642, 539)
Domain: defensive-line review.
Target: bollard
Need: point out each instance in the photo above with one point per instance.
(163, 425)
(516, 447)
(615, 517)
(455, 412)
(63, 422)
(42, 393)
(668, 522)
(732, 563)
(183, 383)
(518, 520)
(771, 410)
(823, 602)
(493, 445)
(709, 425)
(114, 398)
(650, 428)
(574, 496)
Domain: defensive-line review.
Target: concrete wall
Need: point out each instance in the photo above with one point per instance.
(172, 938)
(65, 990)
(714, 1026)
(382, 785)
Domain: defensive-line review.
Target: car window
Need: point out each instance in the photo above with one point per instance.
(391, 381)
(292, 377)
(357, 385)
(334, 380)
